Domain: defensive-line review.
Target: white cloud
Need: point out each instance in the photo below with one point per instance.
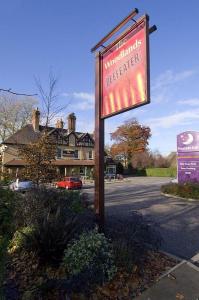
(189, 102)
(176, 119)
(169, 77)
(80, 100)
(163, 87)
(83, 95)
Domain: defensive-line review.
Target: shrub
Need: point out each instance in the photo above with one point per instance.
(3, 257)
(37, 204)
(7, 206)
(187, 190)
(57, 217)
(21, 239)
(161, 172)
(132, 238)
(90, 257)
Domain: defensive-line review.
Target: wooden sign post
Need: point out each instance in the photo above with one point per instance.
(121, 83)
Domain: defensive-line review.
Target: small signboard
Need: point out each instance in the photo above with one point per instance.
(188, 156)
(125, 71)
(188, 169)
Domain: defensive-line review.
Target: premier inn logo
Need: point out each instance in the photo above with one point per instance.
(123, 53)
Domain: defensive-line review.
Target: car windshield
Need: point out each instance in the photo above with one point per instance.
(72, 179)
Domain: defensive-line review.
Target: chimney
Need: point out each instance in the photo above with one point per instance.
(71, 122)
(59, 124)
(35, 119)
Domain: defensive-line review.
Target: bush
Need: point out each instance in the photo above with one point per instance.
(140, 172)
(39, 203)
(187, 190)
(132, 239)
(3, 257)
(57, 217)
(90, 255)
(21, 239)
(161, 172)
(7, 206)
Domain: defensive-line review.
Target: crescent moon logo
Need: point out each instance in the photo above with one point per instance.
(188, 140)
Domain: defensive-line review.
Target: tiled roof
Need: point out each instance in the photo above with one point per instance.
(27, 134)
(23, 136)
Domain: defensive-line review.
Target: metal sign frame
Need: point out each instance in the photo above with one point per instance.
(99, 121)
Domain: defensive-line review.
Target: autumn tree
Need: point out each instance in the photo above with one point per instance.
(15, 113)
(39, 157)
(129, 138)
(149, 159)
(142, 160)
(159, 161)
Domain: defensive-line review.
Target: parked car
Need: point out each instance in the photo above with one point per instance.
(69, 183)
(21, 185)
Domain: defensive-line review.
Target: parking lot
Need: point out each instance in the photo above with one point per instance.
(177, 219)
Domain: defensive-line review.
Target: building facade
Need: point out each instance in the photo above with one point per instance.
(75, 150)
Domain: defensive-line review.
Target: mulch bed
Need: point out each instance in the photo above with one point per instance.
(125, 285)
(128, 286)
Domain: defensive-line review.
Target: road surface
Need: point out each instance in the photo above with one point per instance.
(178, 220)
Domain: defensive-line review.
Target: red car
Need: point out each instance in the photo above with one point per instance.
(70, 183)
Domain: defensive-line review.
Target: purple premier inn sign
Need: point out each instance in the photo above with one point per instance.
(188, 156)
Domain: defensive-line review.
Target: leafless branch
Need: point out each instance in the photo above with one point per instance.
(15, 93)
(50, 107)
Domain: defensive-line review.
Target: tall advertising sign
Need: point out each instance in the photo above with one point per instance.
(125, 75)
(121, 83)
(188, 156)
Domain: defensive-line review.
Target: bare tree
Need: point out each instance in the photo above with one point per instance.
(16, 93)
(15, 113)
(50, 107)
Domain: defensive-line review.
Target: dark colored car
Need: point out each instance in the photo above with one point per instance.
(70, 183)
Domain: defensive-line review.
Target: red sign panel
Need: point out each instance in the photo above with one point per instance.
(125, 82)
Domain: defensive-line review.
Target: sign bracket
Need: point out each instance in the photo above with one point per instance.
(115, 29)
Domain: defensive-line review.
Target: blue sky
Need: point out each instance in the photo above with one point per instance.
(38, 35)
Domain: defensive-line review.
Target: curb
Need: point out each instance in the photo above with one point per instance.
(171, 270)
(172, 255)
(178, 197)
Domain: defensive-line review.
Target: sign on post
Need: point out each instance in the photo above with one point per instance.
(125, 71)
(121, 83)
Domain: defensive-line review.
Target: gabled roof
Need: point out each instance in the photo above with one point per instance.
(27, 134)
(83, 135)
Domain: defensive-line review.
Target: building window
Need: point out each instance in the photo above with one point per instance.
(90, 154)
(68, 153)
(81, 170)
(72, 140)
(58, 153)
(76, 154)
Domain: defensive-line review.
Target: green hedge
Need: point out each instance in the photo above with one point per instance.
(161, 172)
(187, 190)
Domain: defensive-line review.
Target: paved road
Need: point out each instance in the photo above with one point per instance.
(178, 220)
